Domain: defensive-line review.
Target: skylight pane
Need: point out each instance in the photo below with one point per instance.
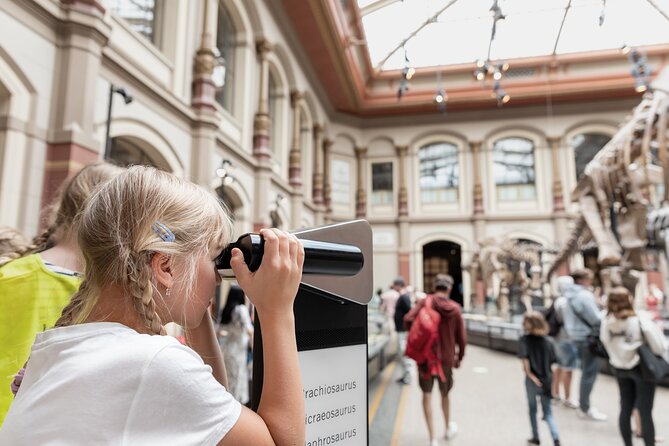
(461, 33)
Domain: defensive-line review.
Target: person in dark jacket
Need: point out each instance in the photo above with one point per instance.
(402, 308)
(453, 338)
(538, 355)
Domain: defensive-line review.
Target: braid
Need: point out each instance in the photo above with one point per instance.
(75, 307)
(141, 290)
(12, 245)
(43, 241)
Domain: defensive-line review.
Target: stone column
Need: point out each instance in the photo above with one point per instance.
(361, 193)
(558, 195)
(261, 122)
(204, 89)
(477, 285)
(317, 181)
(203, 101)
(403, 195)
(295, 156)
(478, 189)
(327, 187)
(559, 212)
(72, 143)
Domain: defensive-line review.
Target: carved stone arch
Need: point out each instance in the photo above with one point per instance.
(20, 187)
(279, 111)
(531, 236)
(147, 139)
(343, 141)
(312, 106)
(443, 253)
(526, 131)
(241, 18)
(593, 128)
(422, 139)
(237, 203)
(284, 60)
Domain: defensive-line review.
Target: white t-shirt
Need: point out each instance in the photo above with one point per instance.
(104, 383)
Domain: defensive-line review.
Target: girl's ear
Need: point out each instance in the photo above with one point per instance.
(161, 264)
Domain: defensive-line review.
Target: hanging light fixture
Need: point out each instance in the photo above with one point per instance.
(407, 73)
(640, 70)
(500, 94)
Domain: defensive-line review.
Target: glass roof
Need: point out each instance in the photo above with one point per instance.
(461, 33)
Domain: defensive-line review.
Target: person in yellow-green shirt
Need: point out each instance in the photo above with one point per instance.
(35, 287)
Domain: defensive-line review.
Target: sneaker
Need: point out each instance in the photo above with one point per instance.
(533, 441)
(406, 379)
(434, 443)
(572, 404)
(593, 414)
(452, 430)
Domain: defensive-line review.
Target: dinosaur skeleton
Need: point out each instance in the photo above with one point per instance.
(508, 259)
(613, 192)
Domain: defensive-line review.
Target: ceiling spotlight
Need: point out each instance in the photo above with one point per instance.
(480, 63)
(625, 49)
(498, 75)
(440, 98)
(410, 71)
(500, 94)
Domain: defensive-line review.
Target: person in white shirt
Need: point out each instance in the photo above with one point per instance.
(390, 297)
(107, 375)
(622, 332)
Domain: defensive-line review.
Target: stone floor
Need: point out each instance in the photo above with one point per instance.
(488, 403)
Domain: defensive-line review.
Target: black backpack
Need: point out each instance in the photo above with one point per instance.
(402, 307)
(554, 324)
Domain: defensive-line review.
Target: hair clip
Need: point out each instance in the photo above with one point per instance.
(163, 232)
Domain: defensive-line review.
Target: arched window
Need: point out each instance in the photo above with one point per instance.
(586, 146)
(273, 111)
(141, 15)
(513, 169)
(439, 174)
(127, 151)
(225, 73)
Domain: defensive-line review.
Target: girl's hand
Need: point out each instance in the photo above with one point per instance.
(536, 380)
(272, 288)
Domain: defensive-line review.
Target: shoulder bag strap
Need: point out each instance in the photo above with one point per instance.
(578, 315)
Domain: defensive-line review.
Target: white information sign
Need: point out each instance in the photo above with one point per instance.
(335, 395)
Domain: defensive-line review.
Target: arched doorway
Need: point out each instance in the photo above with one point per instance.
(443, 257)
(128, 150)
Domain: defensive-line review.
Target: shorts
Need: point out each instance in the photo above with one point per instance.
(426, 385)
(567, 355)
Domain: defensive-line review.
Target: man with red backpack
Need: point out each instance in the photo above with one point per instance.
(436, 328)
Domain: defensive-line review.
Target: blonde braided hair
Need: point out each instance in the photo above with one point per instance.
(12, 244)
(61, 214)
(117, 239)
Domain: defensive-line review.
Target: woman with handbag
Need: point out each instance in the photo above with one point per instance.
(623, 332)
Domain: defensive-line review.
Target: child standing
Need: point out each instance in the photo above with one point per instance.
(106, 375)
(537, 355)
(37, 281)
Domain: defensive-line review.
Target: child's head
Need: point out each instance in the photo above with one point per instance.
(535, 324)
(12, 244)
(619, 303)
(154, 236)
(70, 201)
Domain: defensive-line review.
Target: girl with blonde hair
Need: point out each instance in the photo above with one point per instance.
(537, 355)
(105, 375)
(622, 332)
(37, 280)
(12, 244)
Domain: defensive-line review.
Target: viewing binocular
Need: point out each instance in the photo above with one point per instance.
(324, 258)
